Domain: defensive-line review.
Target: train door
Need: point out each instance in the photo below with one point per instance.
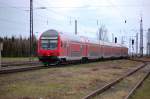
(68, 49)
(99, 50)
(81, 50)
(102, 49)
(64, 47)
(84, 52)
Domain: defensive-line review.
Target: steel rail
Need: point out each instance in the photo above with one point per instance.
(18, 63)
(109, 85)
(137, 60)
(28, 68)
(20, 69)
(137, 85)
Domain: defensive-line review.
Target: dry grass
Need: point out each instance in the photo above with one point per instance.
(144, 58)
(144, 91)
(71, 82)
(17, 59)
(121, 90)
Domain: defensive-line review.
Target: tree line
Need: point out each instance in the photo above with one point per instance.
(18, 46)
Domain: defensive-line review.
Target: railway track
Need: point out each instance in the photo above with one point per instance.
(24, 66)
(110, 85)
(12, 67)
(6, 64)
(137, 85)
(20, 69)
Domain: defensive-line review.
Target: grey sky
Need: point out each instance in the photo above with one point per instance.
(60, 14)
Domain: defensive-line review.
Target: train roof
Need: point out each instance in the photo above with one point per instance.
(49, 33)
(111, 44)
(76, 38)
(70, 37)
(55, 33)
(96, 41)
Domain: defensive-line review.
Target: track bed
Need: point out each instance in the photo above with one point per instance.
(66, 82)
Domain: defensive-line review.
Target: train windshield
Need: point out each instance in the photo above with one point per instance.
(49, 43)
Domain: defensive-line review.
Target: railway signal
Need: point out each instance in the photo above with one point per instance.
(132, 42)
(125, 21)
(132, 46)
(115, 39)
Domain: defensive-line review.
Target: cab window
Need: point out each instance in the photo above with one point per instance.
(49, 44)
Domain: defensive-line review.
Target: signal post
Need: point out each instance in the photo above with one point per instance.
(1, 48)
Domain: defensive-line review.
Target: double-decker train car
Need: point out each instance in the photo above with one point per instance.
(55, 47)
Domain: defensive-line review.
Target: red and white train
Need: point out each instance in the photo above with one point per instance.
(55, 47)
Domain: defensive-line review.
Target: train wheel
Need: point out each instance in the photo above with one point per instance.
(45, 63)
(84, 60)
(54, 63)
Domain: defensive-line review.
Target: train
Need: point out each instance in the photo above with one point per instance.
(55, 47)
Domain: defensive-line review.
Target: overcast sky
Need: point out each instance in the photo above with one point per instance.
(60, 15)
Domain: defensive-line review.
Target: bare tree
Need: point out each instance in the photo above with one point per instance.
(103, 33)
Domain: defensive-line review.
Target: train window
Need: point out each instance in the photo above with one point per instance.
(49, 44)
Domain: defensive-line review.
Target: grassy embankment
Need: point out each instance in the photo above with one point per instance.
(144, 91)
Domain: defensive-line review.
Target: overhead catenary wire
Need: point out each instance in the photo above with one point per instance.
(22, 9)
(10, 19)
(79, 7)
(48, 14)
(21, 23)
(50, 9)
(60, 14)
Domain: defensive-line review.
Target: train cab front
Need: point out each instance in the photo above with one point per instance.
(48, 47)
